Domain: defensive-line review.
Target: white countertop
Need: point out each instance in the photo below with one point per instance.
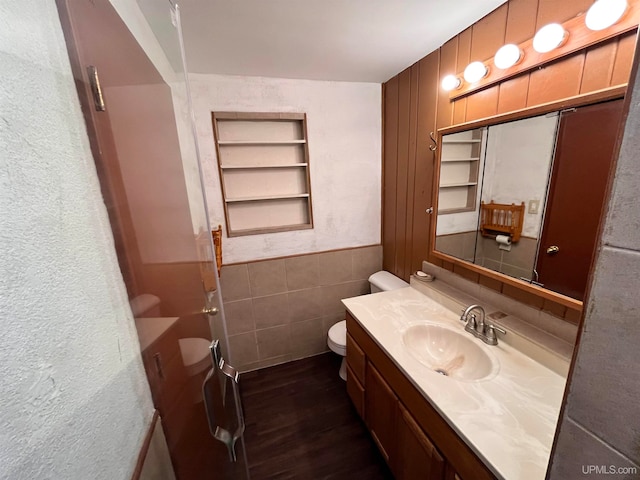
(151, 329)
(509, 420)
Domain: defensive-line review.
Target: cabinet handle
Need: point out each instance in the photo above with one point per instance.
(158, 362)
(553, 249)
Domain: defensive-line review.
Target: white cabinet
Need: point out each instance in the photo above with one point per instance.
(263, 160)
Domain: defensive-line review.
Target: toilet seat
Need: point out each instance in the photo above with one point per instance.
(337, 338)
(196, 355)
(337, 341)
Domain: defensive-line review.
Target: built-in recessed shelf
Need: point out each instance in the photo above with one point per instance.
(263, 162)
(459, 171)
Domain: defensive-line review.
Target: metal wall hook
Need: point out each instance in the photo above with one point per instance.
(433, 147)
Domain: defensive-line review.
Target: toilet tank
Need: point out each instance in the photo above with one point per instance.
(145, 305)
(382, 281)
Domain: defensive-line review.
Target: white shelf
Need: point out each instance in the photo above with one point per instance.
(464, 184)
(256, 166)
(475, 140)
(225, 143)
(451, 160)
(270, 197)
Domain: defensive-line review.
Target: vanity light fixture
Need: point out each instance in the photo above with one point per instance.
(475, 72)
(507, 56)
(604, 13)
(451, 82)
(549, 38)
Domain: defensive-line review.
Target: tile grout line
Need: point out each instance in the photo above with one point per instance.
(600, 440)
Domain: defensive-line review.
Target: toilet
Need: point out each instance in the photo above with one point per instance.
(337, 337)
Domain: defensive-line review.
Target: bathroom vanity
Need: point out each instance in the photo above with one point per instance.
(493, 416)
(159, 345)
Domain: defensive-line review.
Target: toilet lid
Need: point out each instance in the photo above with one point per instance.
(338, 333)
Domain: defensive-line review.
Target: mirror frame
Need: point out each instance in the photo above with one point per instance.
(611, 93)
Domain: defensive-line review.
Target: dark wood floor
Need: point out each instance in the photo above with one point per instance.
(300, 424)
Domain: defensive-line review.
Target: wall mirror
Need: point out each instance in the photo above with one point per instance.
(524, 197)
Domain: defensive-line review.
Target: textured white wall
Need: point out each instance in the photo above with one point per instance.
(344, 128)
(517, 165)
(75, 403)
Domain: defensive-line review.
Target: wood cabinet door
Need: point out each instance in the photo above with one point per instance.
(416, 457)
(355, 390)
(381, 406)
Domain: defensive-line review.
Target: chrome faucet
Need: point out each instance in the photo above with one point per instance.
(477, 326)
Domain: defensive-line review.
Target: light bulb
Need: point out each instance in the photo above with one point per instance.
(450, 82)
(507, 56)
(549, 37)
(604, 13)
(475, 71)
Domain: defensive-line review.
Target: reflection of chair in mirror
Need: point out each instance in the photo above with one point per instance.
(501, 219)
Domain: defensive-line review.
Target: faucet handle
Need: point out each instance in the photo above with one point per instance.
(491, 333)
(499, 329)
(471, 324)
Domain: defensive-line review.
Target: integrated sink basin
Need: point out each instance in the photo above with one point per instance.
(450, 353)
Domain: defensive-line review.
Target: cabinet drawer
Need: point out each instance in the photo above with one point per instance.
(355, 390)
(355, 358)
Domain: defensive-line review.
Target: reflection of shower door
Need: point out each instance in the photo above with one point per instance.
(152, 190)
(581, 167)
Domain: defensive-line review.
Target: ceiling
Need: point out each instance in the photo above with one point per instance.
(341, 40)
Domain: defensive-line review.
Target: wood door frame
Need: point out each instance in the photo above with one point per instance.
(109, 175)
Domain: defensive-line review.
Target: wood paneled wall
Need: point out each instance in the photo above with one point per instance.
(414, 105)
(409, 115)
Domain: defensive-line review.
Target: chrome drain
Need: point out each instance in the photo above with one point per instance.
(441, 372)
